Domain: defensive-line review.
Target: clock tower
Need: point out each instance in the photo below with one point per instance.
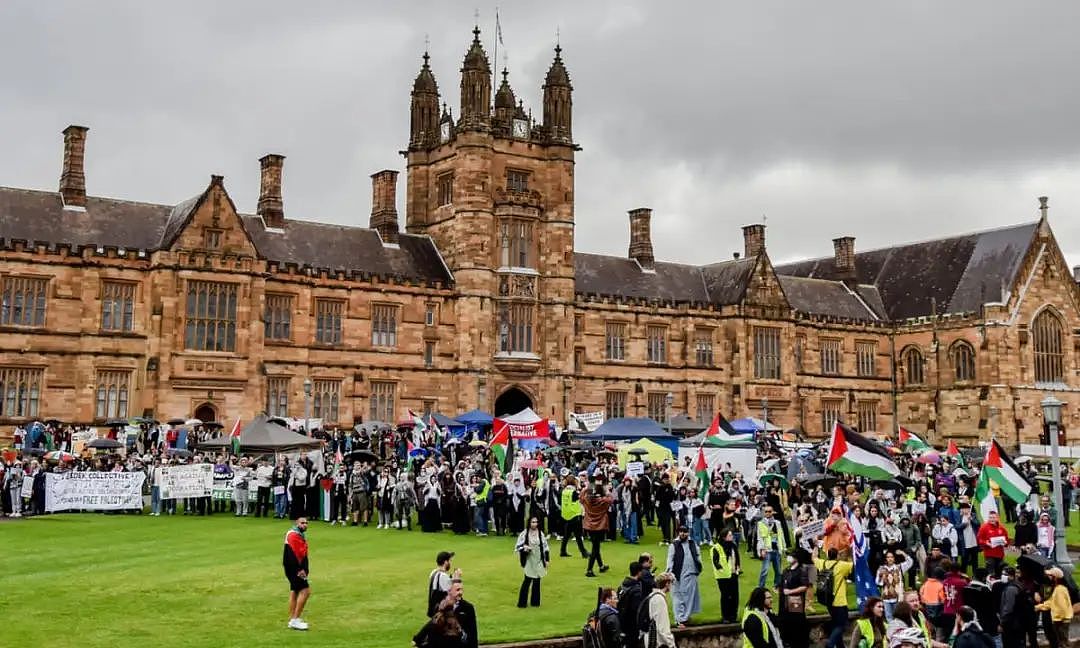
(495, 191)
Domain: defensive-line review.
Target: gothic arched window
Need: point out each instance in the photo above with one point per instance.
(1049, 357)
(913, 365)
(963, 359)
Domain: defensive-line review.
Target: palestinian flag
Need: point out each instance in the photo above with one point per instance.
(502, 446)
(954, 451)
(720, 434)
(701, 469)
(911, 441)
(234, 437)
(997, 467)
(984, 495)
(853, 454)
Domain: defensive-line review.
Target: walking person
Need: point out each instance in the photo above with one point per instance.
(759, 626)
(339, 499)
(295, 563)
(657, 634)
(726, 569)
(595, 522)
(532, 547)
(571, 516)
(684, 564)
(794, 584)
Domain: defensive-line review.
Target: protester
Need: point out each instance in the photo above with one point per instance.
(794, 586)
(993, 538)
(727, 567)
(968, 632)
(443, 630)
(838, 603)
(869, 631)
(890, 578)
(571, 515)
(684, 564)
(759, 626)
(631, 596)
(295, 563)
(770, 546)
(595, 522)
(1060, 607)
(532, 547)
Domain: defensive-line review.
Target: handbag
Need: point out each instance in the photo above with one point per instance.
(795, 604)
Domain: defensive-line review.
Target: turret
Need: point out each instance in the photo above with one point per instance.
(424, 109)
(504, 101)
(475, 86)
(557, 101)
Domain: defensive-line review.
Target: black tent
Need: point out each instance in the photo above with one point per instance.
(263, 435)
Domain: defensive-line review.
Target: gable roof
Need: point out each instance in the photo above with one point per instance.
(960, 273)
(831, 298)
(39, 216)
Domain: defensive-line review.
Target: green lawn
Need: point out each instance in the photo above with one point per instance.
(97, 580)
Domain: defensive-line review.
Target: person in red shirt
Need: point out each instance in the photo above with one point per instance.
(993, 538)
(295, 562)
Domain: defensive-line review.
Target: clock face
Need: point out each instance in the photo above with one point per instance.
(444, 131)
(521, 128)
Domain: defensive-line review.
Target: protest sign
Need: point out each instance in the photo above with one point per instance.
(93, 491)
(813, 529)
(27, 487)
(588, 420)
(193, 480)
(537, 430)
(635, 468)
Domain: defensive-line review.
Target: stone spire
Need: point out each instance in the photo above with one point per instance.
(424, 109)
(505, 102)
(475, 86)
(557, 100)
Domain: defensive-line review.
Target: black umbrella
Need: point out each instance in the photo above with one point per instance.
(637, 452)
(104, 444)
(1034, 566)
(176, 421)
(212, 425)
(889, 484)
(177, 452)
(817, 479)
(54, 422)
(145, 420)
(116, 423)
(362, 455)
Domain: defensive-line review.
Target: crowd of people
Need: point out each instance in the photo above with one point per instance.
(941, 572)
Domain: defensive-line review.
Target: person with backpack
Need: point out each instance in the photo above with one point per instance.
(631, 595)
(684, 563)
(603, 629)
(759, 626)
(978, 596)
(440, 580)
(831, 591)
(1015, 609)
(726, 569)
(654, 623)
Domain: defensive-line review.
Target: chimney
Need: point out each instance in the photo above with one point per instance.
(641, 237)
(1076, 274)
(384, 205)
(1043, 206)
(73, 178)
(753, 240)
(844, 257)
(271, 208)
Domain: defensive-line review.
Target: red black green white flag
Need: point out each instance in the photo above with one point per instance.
(701, 469)
(234, 437)
(502, 446)
(911, 441)
(998, 468)
(720, 434)
(853, 454)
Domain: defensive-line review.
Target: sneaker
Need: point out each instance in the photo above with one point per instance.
(604, 568)
(590, 574)
(379, 527)
(298, 624)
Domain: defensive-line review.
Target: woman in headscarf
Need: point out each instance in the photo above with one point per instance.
(430, 513)
(518, 496)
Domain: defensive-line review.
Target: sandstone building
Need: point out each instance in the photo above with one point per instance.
(111, 308)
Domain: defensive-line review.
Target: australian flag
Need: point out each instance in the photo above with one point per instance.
(865, 585)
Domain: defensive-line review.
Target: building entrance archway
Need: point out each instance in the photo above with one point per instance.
(206, 413)
(511, 402)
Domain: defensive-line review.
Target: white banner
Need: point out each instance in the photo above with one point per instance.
(93, 491)
(192, 480)
(589, 420)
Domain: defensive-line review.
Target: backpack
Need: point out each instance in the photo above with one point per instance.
(627, 617)
(434, 595)
(591, 636)
(645, 625)
(825, 587)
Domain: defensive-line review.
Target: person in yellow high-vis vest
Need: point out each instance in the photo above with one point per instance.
(770, 546)
(726, 569)
(869, 629)
(570, 502)
(759, 626)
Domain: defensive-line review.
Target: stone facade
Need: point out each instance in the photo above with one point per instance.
(113, 308)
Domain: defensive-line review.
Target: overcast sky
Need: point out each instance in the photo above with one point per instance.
(888, 121)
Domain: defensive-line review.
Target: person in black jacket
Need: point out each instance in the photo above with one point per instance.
(977, 596)
(648, 580)
(630, 597)
(968, 632)
(664, 495)
(466, 614)
(611, 632)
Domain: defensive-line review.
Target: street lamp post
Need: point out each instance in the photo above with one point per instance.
(765, 415)
(307, 406)
(1051, 408)
(668, 400)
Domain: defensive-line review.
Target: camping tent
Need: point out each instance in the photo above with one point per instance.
(260, 435)
(631, 429)
(741, 456)
(657, 453)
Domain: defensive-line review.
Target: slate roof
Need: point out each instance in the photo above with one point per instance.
(611, 276)
(831, 298)
(39, 216)
(961, 272)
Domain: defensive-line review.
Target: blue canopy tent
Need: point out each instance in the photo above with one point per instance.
(475, 421)
(751, 425)
(632, 429)
(454, 426)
